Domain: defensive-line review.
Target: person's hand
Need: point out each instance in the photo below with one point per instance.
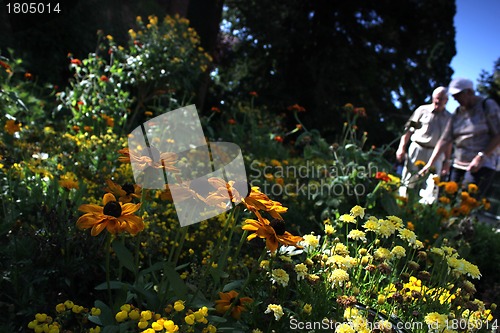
(424, 170)
(400, 155)
(446, 168)
(475, 164)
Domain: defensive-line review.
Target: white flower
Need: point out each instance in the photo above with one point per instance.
(279, 276)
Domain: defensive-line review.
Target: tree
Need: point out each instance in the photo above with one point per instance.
(386, 56)
(489, 84)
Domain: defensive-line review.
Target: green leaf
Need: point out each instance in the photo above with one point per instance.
(112, 285)
(125, 256)
(233, 285)
(176, 283)
(106, 317)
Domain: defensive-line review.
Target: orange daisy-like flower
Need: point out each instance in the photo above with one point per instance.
(150, 157)
(113, 216)
(125, 193)
(224, 192)
(256, 200)
(226, 299)
(12, 126)
(274, 232)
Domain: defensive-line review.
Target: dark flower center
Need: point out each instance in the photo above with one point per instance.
(113, 208)
(278, 226)
(238, 302)
(128, 188)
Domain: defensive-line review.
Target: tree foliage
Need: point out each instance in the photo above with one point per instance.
(489, 83)
(387, 56)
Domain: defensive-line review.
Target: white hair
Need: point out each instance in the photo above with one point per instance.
(439, 90)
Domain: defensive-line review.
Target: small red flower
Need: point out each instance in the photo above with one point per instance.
(253, 94)
(28, 76)
(104, 78)
(231, 121)
(296, 108)
(215, 109)
(76, 62)
(278, 138)
(382, 176)
(4, 65)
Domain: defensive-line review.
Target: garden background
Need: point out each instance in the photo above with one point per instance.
(314, 93)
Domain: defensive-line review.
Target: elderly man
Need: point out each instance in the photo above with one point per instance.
(423, 129)
(474, 129)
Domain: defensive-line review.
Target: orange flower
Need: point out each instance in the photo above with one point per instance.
(113, 216)
(472, 188)
(215, 109)
(76, 62)
(450, 187)
(125, 193)
(256, 200)
(104, 78)
(410, 226)
(12, 126)
(253, 94)
(273, 232)
(150, 157)
(224, 193)
(226, 299)
(231, 121)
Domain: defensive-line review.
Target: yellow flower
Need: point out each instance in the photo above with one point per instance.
(338, 277)
(347, 218)
(121, 316)
(179, 306)
(358, 211)
(276, 309)
(307, 308)
(280, 277)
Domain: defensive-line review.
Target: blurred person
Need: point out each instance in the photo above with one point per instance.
(474, 131)
(422, 131)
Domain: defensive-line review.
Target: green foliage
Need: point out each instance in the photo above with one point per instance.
(122, 87)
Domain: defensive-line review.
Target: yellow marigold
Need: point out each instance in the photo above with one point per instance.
(451, 187)
(472, 188)
(444, 200)
(436, 321)
(398, 252)
(276, 309)
(310, 240)
(419, 163)
(338, 276)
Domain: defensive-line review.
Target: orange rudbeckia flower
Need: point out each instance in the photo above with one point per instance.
(124, 193)
(226, 299)
(113, 216)
(257, 200)
(274, 232)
